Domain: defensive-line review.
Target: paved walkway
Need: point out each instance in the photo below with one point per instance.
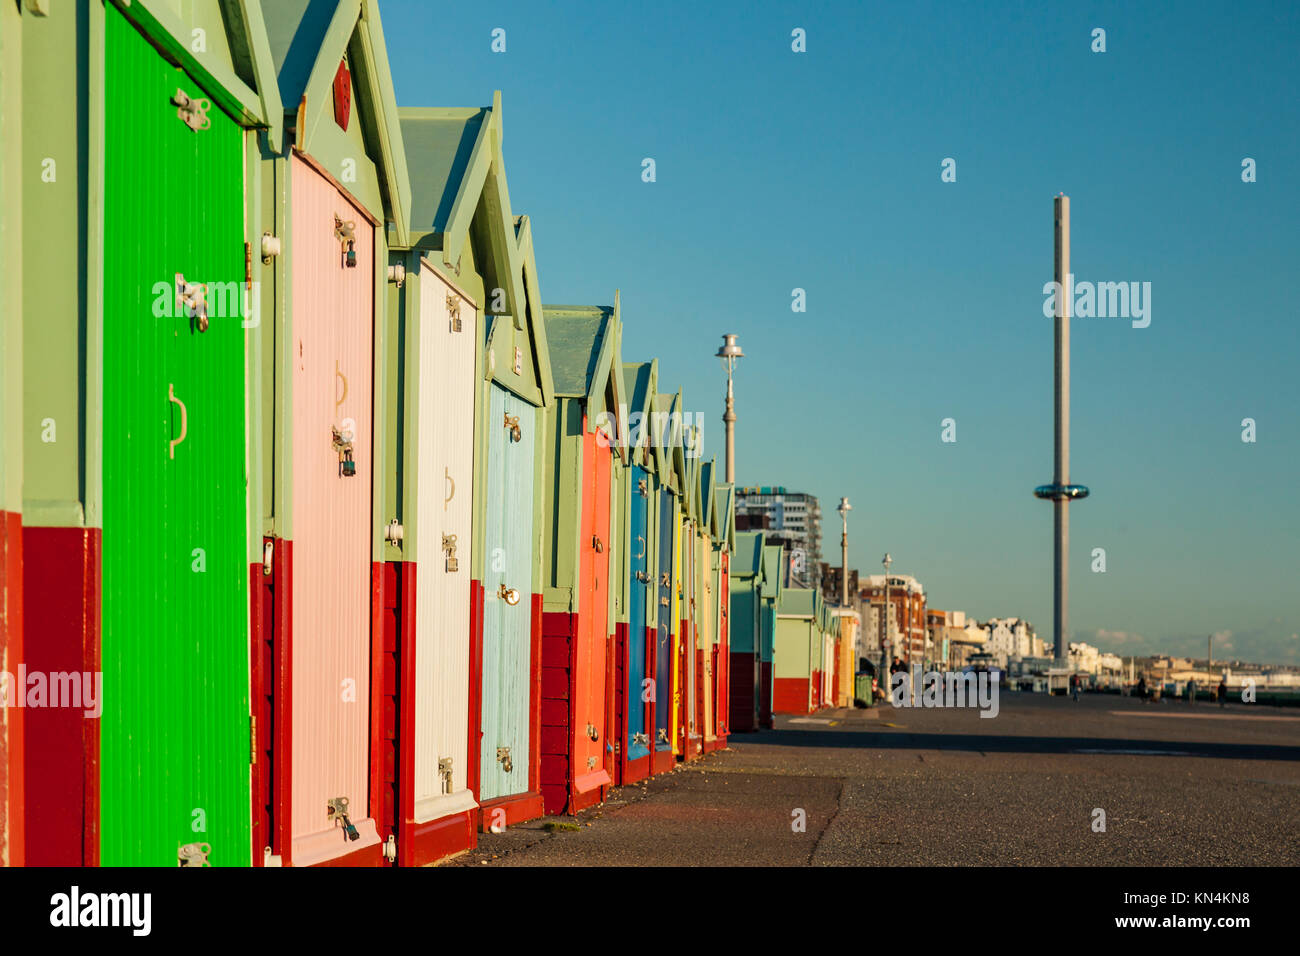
(945, 787)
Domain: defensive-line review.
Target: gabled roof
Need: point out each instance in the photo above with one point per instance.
(532, 309)
(724, 512)
(798, 602)
(308, 39)
(748, 559)
(772, 584)
(584, 352)
(456, 166)
(577, 335)
(639, 382)
(246, 36)
(669, 440)
(704, 495)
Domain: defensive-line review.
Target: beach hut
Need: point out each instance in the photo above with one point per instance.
(772, 589)
(667, 526)
(745, 605)
(579, 538)
(462, 247)
(137, 352)
(636, 644)
(802, 652)
(722, 542)
(337, 195)
(11, 435)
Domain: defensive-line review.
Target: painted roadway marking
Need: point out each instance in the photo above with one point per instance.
(1156, 713)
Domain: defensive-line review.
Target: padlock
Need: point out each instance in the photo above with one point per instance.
(347, 467)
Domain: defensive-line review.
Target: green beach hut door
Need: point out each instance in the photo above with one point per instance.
(507, 598)
(174, 771)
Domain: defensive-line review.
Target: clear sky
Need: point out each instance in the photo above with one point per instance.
(820, 170)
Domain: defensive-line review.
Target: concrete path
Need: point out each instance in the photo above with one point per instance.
(946, 787)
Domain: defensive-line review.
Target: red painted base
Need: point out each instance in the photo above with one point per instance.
(791, 695)
(13, 788)
(372, 855)
(518, 808)
(436, 840)
(661, 761)
(717, 743)
(742, 707)
(61, 585)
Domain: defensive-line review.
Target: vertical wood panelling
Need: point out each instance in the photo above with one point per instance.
(444, 506)
(175, 726)
(507, 630)
(594, 585)
(332, 356)
(707, 634)
(638, 593)
(664, 649)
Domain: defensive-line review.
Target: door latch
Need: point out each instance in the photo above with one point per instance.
(597, 544)
(592, 732)
(337, 812)
(453, 311)
(193, 854)
(509, 595)
(192, 111)
(345, 233)
(444, 771)
(643, 576)
(512, 423)
(503, 758)
(640, 488)
(192, 301)
(449, 546)
(642, 739)
(343, 445)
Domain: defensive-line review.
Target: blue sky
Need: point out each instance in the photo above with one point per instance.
(820, 170)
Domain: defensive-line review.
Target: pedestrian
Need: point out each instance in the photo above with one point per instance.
(1223, 691)
(1074, 683)
(1191, 692)
(1142, 689)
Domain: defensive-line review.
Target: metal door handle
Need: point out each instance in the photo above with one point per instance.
(642, 540)
(171, 397)
(446, 474)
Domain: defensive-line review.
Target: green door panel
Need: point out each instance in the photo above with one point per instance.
(174, 733)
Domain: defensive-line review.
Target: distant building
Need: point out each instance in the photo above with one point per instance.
(1010, 637)
(787, 517)
(906, 625)
(945, 637)
(830, 578)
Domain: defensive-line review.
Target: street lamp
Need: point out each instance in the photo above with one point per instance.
(844, 510)
(884, 631)
(729, 351)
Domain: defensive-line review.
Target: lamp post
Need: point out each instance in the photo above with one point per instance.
(884, 632)
(844, 510)
(729, 351)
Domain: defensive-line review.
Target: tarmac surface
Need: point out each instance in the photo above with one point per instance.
(1179, 784)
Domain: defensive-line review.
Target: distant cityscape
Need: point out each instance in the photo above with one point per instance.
(924, 635)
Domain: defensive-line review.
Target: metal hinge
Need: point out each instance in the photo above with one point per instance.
(192, 111)
(252, 738)
(269, 859)
(390, 849)
(393, 532)
(193, 854)
(268, 552)
(449, 546)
